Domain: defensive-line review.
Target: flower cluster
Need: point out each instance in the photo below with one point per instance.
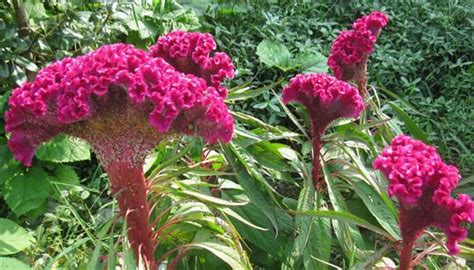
(422, 182)
(190, 53)
(325, 97)
(351, 49)
(115, 83)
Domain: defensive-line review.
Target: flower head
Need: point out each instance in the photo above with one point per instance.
(422, 182)
(351, 49)
(190, 52)
(325, 97)
(120, 99)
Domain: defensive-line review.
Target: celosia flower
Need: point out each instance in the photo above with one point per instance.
(123, 101)
(190, 53)
(422, 182)
(326, 99)
(351, 49)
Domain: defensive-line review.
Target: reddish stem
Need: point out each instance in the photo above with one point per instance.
(128, 182)
(405, 255)
(318, 185)
(361, 78)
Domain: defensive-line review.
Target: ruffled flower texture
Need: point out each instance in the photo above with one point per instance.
(190, 54)
(351, 49)
(422, 182)
(325, 97)
(122, 100)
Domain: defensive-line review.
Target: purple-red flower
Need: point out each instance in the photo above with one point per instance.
(326, 99)
(423, 183)
(84, 93)
(351, 49)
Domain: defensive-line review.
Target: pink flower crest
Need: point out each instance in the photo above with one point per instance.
(190, 52)
(423, 183)
(325, 97)
(116, 95)
(351, 49)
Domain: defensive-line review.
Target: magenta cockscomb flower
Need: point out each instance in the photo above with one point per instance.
(422, 182)
(191, 53)
(326, 99)
(351, 49)
(123, 101)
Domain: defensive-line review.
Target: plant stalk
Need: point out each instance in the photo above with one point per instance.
(405, 255)
(129, 185)
(361, 79)
(315, 172)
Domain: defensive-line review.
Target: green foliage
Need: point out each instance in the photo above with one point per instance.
(275, 54)
(63, 149)
(27, 191)
(250, 203)
(13, 238)
(12, 264)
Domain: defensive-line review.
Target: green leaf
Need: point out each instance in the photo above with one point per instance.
(64, 178)
(4, 70)
(35, 9)
(237, 160)
(309, 62)
(13, 238)
(18, 75)
(27, 191)
(211, 199)
(8, 166)
(245, 93)
(26, 63)
(274, 54)
(225, 253)
(466, 186)
(314, 233)
(345, 217)
(410, 125)
(12, 264)
(348, 235)
(64, 149)
(233, 214)
(377, 206)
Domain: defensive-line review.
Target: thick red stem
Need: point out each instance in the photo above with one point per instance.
(316, 134)
(128, 183)
(405, 255)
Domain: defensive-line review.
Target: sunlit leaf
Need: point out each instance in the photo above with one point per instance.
(13, 238)
(64, 149)
(274, 54)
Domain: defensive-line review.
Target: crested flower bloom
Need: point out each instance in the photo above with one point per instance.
(326, 99)
(124, 101)
(423, 183)
(190, 54)
(351, 49)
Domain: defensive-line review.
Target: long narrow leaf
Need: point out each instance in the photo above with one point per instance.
(345, 217)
